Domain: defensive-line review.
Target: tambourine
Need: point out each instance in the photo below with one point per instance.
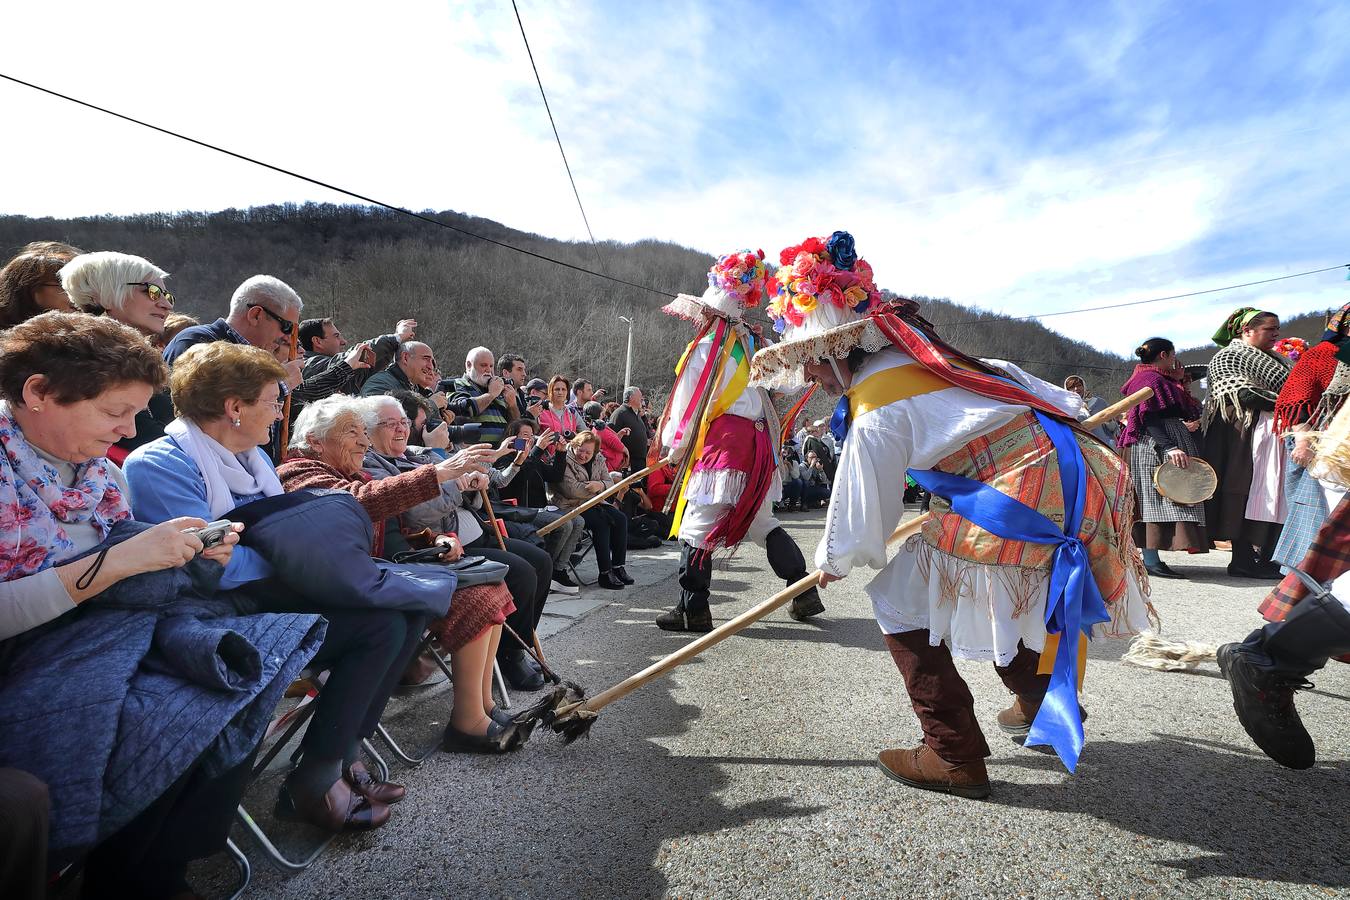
(1189, 486)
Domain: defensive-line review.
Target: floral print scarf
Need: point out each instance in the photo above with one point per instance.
(34, 504)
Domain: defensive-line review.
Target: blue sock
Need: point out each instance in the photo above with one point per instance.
(1151, 558)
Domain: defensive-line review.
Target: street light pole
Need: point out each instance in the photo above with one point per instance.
(628, 360)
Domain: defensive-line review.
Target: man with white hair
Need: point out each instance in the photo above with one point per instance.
(413, 369)
(264, 311)
(489, 398)
(638, 438)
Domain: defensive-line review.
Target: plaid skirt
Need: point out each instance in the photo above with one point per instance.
(1307, 504)
(1144, 458)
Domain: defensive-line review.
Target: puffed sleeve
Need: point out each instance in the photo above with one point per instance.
(869, 494)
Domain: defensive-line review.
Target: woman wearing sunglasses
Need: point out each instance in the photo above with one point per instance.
(131, 290)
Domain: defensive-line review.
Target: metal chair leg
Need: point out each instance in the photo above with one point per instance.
(497, 679)
(280, 859)
(398, 751)
(242, 863)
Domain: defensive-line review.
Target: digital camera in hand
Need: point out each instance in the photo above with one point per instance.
(212, 534)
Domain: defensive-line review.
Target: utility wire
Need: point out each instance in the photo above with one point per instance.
(557, 137)
(482, 237)
(332, 187)
(1072, 312)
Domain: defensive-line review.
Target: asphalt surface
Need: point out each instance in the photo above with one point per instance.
(750, 772)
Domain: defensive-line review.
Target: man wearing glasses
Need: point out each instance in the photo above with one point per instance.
(264, 311)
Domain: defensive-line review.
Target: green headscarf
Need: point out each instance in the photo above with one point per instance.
(1233, 325)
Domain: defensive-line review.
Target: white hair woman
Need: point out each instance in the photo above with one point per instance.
(330, 442)
(130, 290)
(127, 288)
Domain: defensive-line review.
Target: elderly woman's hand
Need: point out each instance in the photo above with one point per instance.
(595, 487)
(453, 548)
(470, 459)
(474, 481)
(222, 552)
(166, 546)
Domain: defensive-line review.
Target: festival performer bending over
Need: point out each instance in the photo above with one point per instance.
(1003, 559)
(727, 434)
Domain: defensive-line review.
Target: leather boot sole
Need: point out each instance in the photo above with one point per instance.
(970, 792)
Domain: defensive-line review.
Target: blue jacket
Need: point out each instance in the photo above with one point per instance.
(114, 701)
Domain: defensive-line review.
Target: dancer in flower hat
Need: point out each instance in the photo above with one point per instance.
(1004, 559)
(726, 435)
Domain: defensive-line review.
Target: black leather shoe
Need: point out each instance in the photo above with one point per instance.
(1162, 570)
(1240, 571)
(679, 619)
(518, 672)
(499, 739)
(806, 604)
(622, 574)
(610, 582)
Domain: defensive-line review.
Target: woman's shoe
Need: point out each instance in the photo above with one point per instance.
(523, 729)
(1240, 571)
(609, 581)
(499, 739)
(518, 672)
(1162, 570)
(622, 574)
(341, 809)
(360, 780)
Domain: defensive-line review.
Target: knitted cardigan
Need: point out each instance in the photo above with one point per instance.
(382, 499)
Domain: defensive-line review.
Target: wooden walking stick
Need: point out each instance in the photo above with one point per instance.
(538, 651)
(1116, 409)
(575, 720)
(286, 408)
(603, 496)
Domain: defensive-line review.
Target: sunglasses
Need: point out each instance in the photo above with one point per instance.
(284, 324)
(157, 293)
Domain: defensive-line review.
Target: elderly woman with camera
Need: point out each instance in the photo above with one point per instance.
(452, 513)
(209, 464)
(585, 475)
(127, 684)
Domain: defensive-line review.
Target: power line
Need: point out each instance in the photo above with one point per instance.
(332, 187)
(557, 137)
(1071, 312)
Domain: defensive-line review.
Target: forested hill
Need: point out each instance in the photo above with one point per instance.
(369, 267)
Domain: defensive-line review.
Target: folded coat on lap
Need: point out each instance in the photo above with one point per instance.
(111, 703)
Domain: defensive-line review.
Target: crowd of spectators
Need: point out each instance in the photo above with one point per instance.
(197, 512)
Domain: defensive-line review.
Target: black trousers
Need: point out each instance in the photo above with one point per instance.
(149, 857)
(529, 576)
(609, 527)
(24, 811)
(365, 652)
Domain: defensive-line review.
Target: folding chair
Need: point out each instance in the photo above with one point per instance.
(584, 547)
(294, 720)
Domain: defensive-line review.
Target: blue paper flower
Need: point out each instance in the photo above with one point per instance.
(842, 252)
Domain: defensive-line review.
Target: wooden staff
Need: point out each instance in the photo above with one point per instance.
(286, 408)
(603, 496)
(1116, 409)
(586, 709)
(492, 517)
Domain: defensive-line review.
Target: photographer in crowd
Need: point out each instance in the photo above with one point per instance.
(816, 492)
(487, 398)
(327, 370)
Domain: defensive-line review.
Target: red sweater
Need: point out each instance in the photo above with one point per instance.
(381, 499)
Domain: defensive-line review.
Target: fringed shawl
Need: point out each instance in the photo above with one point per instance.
(1315, 389)
(1237, 367)
(1168, 393)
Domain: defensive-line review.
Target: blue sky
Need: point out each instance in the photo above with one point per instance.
(1023, 157)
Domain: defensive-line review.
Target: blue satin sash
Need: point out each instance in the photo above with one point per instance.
(1074, 603)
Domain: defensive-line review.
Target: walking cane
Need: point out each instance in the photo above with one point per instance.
(603, 496)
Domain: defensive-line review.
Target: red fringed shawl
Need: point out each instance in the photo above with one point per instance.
(1303, 389)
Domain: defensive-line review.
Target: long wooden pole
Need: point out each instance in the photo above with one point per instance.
(286, 410)
(603, 496)
(1116, 409)
(492, 517)
(719, 634)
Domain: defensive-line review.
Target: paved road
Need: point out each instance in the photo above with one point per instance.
(750, 773)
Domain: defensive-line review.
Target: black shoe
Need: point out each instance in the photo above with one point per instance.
(499, 739)
(1162, 570)
(518, 672)
(1237, 570)
(1264, 704)
(609, 581)
(679, 619)
(805, 605)
(620, 573)
(561, 576)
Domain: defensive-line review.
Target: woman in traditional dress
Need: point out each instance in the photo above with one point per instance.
(1310, 398)
(1162, 427)
(1245, 378)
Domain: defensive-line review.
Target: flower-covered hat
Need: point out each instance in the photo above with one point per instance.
(736, 282)
(824, 291)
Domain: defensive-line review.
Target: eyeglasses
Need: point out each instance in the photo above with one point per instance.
(394, 424)
(157, 293)
(278, 406)
(285, 324)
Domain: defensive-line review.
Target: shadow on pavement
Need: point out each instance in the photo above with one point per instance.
(1245, 815)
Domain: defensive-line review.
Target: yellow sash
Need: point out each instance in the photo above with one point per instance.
(893, 385)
